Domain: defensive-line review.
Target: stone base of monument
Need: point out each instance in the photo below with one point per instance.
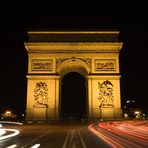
(110, 113)
(107, 113)
(40, 114)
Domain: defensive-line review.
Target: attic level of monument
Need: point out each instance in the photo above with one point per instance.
(55, 56)
(73, 36)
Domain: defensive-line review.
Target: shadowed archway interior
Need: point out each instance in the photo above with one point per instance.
(73, 96)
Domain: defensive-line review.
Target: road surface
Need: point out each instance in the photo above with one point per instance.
(59, 135)
(115, 134)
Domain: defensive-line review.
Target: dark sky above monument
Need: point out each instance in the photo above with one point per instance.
(18, 18)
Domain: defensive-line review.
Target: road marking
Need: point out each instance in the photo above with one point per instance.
(66, 140)
(82, 141)
(36, 139)
(72, 138)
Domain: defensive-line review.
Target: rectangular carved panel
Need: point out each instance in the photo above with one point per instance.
(41, 65)
(105, 65)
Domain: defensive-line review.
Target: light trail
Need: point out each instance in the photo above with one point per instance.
(12, 146)
(2, 132)
(14, 133)
(9, 122)
(127, 134)
(36, 146)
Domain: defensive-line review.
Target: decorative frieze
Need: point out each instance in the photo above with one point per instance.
(73, 47)
(59, 61)
(105, 65)
(86, 60)
(41, 65)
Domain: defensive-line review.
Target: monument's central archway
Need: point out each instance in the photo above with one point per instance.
(73, 97)
(57, 58)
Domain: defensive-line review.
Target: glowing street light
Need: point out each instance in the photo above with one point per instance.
(137, 112)
(8, 113)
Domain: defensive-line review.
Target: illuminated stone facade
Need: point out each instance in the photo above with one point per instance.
(52, 55)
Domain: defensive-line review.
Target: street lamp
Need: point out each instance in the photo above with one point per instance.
(8, 113)
(137, 113)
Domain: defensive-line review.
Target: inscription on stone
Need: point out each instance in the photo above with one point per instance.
(42, 65)
(105, 65)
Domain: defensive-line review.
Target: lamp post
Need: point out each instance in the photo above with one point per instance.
(8, 115)
(138, 114)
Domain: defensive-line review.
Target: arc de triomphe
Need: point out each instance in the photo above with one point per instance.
(92, 54)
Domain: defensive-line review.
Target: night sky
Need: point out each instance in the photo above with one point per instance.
(18, 18)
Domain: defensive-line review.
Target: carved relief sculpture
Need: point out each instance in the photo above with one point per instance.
(106, 94)
(105, 65)
(42, 65)
(41, 94)
(86, 60)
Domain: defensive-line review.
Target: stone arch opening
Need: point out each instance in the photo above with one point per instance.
(74, 65)
(73, 97)
(73, 103)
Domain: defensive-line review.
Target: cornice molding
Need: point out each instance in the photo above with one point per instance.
(111, 77)
(73, 32)
(76, 47)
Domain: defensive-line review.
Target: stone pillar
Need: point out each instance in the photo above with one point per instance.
(104, 97)
(42, 98)
(57, 95)
(90, 113)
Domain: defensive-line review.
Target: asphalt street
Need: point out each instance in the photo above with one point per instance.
(53, 135)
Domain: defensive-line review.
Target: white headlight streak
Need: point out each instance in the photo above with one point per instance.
(15, 132)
